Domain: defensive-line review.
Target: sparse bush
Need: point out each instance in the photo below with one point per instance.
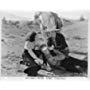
(82, 18)
(30, 23)
(12, 37)
(4, 21)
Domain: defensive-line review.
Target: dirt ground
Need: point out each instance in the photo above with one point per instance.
(13, 41)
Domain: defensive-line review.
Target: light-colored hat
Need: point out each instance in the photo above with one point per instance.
(49, 21)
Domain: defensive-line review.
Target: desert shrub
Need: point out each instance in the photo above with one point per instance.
(15, 23)
(30, 23)
(12, 36)
(4, 21)
(78, 38)
(82, 18)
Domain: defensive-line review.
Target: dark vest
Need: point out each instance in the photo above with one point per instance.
(59, 42)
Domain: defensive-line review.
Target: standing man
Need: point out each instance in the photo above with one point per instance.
(51, 24)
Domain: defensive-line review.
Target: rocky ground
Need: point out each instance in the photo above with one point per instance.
(13, 41)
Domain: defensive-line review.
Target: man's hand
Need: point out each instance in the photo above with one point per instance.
(51, 48)
(39, 61)
(46, 67)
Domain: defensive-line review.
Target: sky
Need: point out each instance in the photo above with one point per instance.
(64, 14)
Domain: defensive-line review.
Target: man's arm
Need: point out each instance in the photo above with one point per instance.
(62, 44)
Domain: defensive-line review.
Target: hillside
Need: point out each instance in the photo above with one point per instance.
(13, 42)
(77, 37)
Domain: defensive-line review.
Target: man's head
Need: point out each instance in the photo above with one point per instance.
(48, 21)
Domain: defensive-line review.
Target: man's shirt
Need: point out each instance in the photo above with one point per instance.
(35, 39)
(59, 43)
(30, 39)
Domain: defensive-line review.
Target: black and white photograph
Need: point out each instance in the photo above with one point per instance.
(44, 44)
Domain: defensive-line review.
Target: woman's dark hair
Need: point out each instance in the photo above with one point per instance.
(32, 37)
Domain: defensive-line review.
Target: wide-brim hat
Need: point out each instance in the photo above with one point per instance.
(48, 21)
(52, 30)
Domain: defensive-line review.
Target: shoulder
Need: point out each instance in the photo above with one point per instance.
(30, 36)
(60, 35)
